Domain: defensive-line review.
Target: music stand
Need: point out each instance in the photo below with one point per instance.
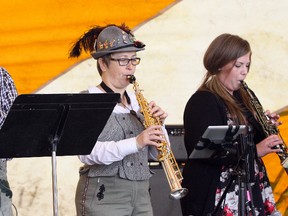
(217, 137)
(45, 124)
(214, 138)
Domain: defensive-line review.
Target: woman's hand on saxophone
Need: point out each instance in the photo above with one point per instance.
(273, 117)
(157, 112)
(268, 145)
(153, 135)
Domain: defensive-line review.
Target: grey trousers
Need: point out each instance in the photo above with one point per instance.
(112, 196)
(5, 205)
(5, 191)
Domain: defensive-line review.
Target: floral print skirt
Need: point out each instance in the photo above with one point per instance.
(257, 196)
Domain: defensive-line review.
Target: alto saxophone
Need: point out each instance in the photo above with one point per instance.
(165, 154)
(267, 126)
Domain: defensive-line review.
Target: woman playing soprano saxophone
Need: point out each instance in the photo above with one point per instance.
(115, 177)
(220, 100)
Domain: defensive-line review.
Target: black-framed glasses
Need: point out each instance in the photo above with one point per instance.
(125, 61)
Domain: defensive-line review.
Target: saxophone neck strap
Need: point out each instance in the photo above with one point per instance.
(107, 89)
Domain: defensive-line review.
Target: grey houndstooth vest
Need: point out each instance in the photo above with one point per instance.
(132, 167)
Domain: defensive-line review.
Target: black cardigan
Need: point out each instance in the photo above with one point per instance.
(201, 177)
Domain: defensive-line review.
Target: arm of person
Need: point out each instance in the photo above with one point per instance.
(202, 110)
(2, 117)
(110, 151)
(8, 94)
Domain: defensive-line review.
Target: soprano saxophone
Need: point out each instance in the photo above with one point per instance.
(267, 126)
(165, 154)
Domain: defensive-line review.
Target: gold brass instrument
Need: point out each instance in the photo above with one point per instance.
(165, 154)
(267, 126)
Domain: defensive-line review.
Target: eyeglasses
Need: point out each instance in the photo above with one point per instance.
(125, 61)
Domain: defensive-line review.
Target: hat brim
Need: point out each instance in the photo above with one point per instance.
(100, 54)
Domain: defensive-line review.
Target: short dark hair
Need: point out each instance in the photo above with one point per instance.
(106, 60)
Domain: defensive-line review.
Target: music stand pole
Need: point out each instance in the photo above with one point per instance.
(60, 123)
(242, 197)
(54, 180)
(247, 174)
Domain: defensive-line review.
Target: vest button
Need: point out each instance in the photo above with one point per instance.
(129, 164)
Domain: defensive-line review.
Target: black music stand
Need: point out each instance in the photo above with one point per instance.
(244, 173)
(213, 140)
(48, 124)
(214, 143)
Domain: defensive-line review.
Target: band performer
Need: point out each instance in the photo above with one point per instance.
(115, 177)
(220, 100)
(8, 93)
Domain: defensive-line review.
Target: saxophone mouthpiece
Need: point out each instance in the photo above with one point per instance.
(131, 78)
